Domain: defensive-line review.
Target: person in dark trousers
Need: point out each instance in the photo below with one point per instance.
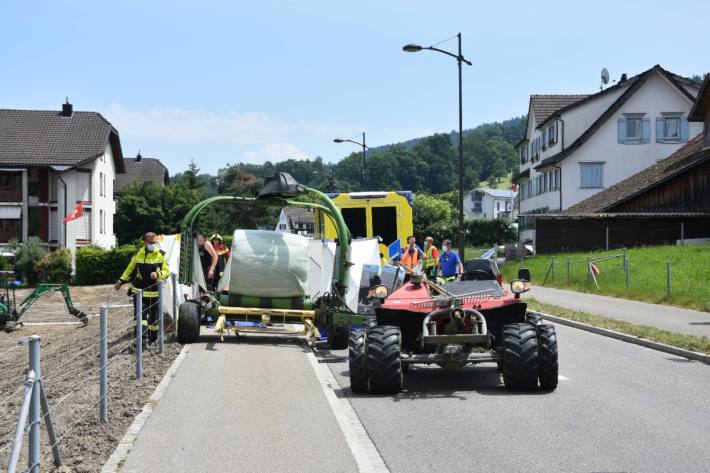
(222, 256)
(450, 265)
(145, 271)
(208, 261)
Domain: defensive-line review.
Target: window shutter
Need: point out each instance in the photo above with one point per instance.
(660, 126)
(684, 128)
(557, 131)
(622, 130)
(646, 130)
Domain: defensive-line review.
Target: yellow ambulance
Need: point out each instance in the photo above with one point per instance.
(387, 215)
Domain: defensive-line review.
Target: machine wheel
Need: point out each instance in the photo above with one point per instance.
(357, 361)
(520, 359)
(338, 337)
(384, 363)
(188, 329)
(533, 318)
(547, 350)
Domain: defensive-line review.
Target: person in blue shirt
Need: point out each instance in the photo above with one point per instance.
(450, 265)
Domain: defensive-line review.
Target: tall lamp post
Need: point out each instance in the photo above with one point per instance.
(413, 48)
(364, 148)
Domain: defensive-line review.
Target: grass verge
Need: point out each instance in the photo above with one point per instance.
(678, 340)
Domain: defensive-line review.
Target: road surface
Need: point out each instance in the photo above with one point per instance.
(257, 405)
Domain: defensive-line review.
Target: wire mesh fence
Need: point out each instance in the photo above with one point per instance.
(77, 376)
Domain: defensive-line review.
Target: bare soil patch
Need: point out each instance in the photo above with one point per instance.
(70, 374)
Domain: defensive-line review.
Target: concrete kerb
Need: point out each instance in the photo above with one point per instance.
(691, 355)
(115, 461)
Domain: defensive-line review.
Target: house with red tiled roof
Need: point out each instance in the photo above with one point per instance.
(578, 145)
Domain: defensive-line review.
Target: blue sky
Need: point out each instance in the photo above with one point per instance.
(223, 82)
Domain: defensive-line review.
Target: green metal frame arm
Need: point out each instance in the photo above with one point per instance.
(42, 289)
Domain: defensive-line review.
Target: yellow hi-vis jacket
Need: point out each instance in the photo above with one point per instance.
(139, 269)
(432, 257)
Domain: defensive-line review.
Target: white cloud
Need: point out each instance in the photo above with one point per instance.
(274, 152)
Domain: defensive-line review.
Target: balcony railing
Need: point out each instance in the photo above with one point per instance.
(10, 195)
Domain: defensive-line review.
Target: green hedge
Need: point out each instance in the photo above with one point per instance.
(95, 265)
(54, 267)
(478, 232)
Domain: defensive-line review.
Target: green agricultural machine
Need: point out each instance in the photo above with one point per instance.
(260, 308)
(10, 311)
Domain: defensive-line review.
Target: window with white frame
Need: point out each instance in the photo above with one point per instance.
(634, 129)
(671, 128)
(101, 221)
(592, 175)
(101, 184)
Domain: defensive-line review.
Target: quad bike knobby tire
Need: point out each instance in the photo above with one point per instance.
(357, 361)
(520, 359)
(338, 337)
(384, 363)
(547, 352)
(188, 324)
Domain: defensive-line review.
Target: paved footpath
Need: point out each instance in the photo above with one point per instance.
(674, 319)
(251, 405)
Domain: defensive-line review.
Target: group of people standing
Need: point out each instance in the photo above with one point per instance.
(445, 263)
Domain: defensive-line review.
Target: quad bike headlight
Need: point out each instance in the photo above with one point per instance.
(518, 286)
(380, 291)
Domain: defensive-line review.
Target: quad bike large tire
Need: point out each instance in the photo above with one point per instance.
(384, 362)
(188, 328)
(547, 352)
(357, 361)
(521, 360)
(338, 337)
(534, 318)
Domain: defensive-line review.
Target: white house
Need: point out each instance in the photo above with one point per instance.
(488, 204)
(296, 220)
(49, 162)
(577, 145)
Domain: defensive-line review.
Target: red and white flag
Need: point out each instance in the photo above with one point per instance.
(76, 213)
(594, 269)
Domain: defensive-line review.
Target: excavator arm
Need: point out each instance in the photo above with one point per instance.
(42, 289)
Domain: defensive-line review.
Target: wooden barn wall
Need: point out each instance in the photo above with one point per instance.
(556, 235)
(689, 192)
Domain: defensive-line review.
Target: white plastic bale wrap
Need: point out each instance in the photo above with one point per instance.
(268, 264)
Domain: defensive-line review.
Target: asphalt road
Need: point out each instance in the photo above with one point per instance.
(674, 319)
(621, 408)
(256, 405)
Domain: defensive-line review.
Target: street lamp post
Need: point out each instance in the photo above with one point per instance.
(364, 151)
(413, 48)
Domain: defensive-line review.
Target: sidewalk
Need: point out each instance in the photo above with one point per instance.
(252, 404)
(673, 319)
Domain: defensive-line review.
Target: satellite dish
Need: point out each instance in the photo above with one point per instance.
(605, 76)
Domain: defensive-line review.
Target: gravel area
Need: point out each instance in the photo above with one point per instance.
(70, 374)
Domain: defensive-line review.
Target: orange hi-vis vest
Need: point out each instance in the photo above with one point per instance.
(410, 261)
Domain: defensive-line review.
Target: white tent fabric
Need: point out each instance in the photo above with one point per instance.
(170, 244)
(364, 251)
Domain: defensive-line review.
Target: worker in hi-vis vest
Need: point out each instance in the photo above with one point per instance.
(411, 256)
(432, 258)
(146, 270)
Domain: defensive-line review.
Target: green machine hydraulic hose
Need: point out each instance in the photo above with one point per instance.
(322, 203)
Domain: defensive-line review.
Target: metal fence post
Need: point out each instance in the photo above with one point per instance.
(589, 268)
(624, 261)
(568, 270)
(607, 238)
(138, 308)
(682, 233)
(161, 320)
(103, 360)
(626, 270)
(173, 280)
(552, 272)
(668, 276)
(35, 408)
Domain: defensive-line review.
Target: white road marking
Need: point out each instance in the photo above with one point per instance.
(364, 452)
(562, 378)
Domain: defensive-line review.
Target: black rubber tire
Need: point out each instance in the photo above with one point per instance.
(384, 362)
(533, 318)
(188, 328)
(547, 350)
(338, 337)
(521, 358)
(357, 361)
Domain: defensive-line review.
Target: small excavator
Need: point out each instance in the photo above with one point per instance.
(10, 311)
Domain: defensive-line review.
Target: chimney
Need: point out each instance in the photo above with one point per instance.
(67, 109)
(139, 157)
(623, 77)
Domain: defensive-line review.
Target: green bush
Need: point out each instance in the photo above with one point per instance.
(26, 258)
(95, 265)
(54, 267)
(488, 232)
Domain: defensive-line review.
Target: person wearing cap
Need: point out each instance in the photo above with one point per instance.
(222, 256)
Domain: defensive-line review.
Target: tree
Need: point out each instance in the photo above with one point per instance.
(432, 217)
(437, 152)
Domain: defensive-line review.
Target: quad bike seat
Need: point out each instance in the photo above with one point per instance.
(479, 269)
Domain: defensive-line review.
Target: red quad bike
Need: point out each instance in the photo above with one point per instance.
(471, 321)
